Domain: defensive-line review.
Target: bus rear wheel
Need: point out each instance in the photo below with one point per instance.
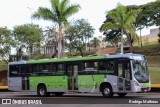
(107, 91)
(42, 91)
(122, 94)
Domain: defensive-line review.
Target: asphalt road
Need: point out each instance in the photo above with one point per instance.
(80, 100)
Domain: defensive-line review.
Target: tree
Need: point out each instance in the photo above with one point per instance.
(112, 36)
(150, 14)
(95, 42)
(122, 19)
(27, 37)
(77, 33)
(59, 12)
(6, 43)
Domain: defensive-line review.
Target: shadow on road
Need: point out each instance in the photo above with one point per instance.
(78, 96)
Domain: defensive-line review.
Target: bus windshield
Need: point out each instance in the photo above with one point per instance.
(141, 70)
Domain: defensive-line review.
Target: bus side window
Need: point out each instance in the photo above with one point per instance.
(101, 66)
(27, 67)
(127, 70)
(14, 71)
(23, 70)
(106, 66)
(120, 70)
(34, 69)
(60, 69)
(55, 68)
(44, 68)
(90, 65)
(111, 65)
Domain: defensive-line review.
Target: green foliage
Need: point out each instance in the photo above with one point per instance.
(121, 20)
(150, 14)
(112, 36)
(27, 37)
(5, 43)
(59, 12)
(78, 34)
(3, 65)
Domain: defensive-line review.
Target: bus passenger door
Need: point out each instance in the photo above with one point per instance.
(124, 76)
(72, 77)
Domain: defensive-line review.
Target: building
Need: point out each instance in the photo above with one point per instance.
(152, 37)
(50, 42)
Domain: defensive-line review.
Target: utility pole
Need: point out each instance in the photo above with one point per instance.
(31, 11)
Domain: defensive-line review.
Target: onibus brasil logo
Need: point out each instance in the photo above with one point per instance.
(19, 101)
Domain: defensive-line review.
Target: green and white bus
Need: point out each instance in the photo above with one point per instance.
(108, 74)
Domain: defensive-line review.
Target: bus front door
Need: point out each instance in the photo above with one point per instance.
(72, 77)
(124, 76)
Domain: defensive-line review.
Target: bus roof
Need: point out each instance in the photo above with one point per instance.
(128, 55)
(65, 59)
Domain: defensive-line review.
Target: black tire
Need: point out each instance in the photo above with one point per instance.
(107, 91)
(122, 94)
(59, 93)
(42, 91)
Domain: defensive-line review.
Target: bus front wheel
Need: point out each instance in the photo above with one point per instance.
(42, 91)
(107, 91)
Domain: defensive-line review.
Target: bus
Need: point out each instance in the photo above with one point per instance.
(107, 74)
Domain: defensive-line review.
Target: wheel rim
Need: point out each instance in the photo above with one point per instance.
(42, 91)
(106, 91)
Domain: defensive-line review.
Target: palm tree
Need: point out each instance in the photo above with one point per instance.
(59, 12)
(123, 20)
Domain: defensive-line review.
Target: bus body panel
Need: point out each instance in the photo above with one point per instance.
(15, 83)
(90, 83)
(53, 83)
(113, 81)
(140, 87)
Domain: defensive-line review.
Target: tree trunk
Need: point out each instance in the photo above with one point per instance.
(140, 37)
(89, 45)
(81, 52)
(122, 44)
(59, 48)
(60, 43)
(130, 42)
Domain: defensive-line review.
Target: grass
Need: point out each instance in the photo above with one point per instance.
(3, 65)
(153, 60)
(149, 50)
(154, 75)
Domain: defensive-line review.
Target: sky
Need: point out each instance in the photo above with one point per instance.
(18, 12)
